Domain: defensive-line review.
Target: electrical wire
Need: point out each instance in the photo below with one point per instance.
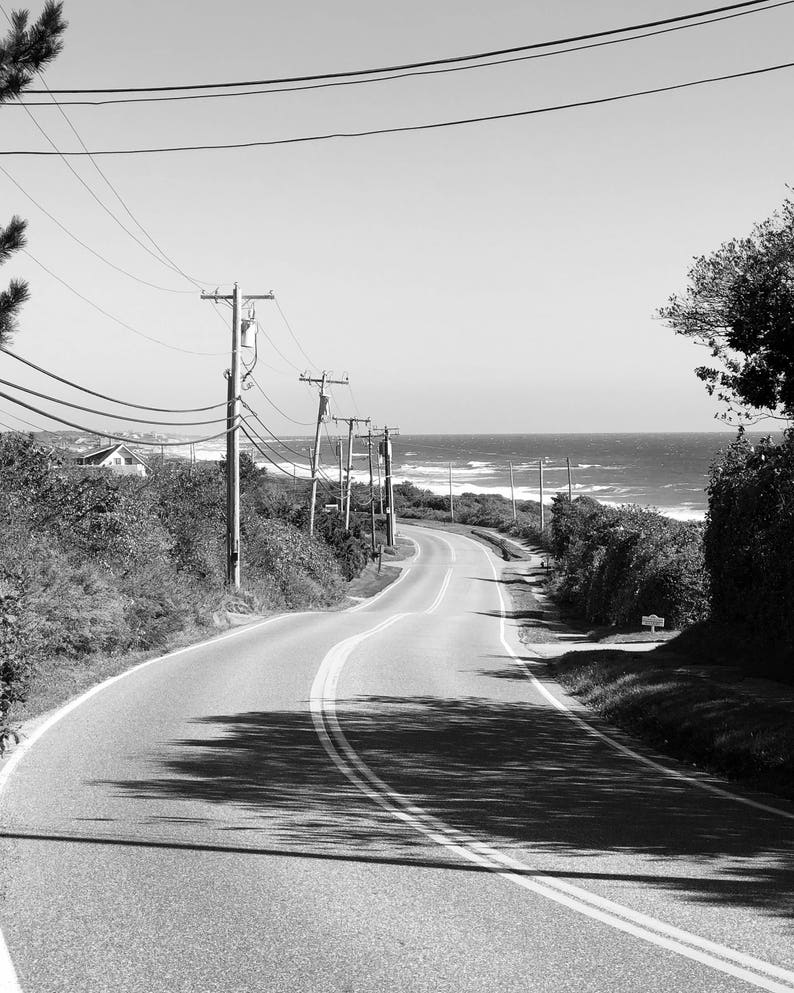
(105, 413)
(116, 320)
(104, 396)
(294, 336)
(269, 431)
(246, 425)
(412, 65)
(275, 346)
(16, 417)
(56, 151)
(405, 75)
(116, 437)
(277, 465)
(411, 128)
(303, 424)
(88, 248)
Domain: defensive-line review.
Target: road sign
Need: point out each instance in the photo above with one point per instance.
(652, 621)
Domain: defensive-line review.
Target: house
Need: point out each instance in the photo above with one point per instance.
(117, 458)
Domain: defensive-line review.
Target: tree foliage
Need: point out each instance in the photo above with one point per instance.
(615, 564)
(748, 547)
(739, 303)
(26, 49)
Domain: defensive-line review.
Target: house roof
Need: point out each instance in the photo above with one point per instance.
(99, 456)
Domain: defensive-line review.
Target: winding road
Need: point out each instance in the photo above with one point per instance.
(393, 797)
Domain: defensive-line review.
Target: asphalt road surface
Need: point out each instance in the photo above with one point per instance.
(389, 798)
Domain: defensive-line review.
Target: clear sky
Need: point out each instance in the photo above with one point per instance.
(498, 277)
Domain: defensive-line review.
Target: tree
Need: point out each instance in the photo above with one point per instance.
(740, 305)
(25, 50)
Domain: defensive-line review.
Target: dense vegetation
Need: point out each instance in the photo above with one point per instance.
(739, 303)
(615, 564)
(475, 509)
(97, 563)
(749, 546)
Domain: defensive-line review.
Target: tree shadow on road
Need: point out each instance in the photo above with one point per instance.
(513, 774)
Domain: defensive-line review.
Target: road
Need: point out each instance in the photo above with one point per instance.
(388, 798)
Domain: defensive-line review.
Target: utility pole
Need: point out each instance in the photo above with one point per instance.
(322, 412)
(540, 472)
(341, 476)
(350, 421)
(380, 487)
(451, 502)
(570, 484)
(368, 436)
(390, 516)
(237, 299)
(512, 493)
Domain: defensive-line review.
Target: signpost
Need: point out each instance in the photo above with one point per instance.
(653, 621)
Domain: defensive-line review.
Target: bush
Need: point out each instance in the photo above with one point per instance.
(749, 548)
(616, 564)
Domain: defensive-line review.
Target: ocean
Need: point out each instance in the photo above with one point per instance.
(665, 471)
(668, 472)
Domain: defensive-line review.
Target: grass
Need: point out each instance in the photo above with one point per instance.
(699, 714)
(673, 697)
(58, 680)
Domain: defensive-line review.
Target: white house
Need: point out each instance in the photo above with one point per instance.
(117, 458)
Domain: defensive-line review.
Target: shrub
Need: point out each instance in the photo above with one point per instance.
(749, 542)
(616, 564)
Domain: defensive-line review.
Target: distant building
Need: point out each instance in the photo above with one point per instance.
(117, 458)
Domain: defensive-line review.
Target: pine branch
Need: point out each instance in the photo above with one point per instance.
(12, 238)
(10, 302)
(26, 50)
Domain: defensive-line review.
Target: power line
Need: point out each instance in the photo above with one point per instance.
(104, 396)
(269, 431)
(405, 129)
(88, 248)
(116, 320)
(294, 336)
(105, 413)
(244, 428)
(275, 347)
(16, 417)
(402, 75)
(303, 424)
(79, 178)
(116, 437)
(411, 65)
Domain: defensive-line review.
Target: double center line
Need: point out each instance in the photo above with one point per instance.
(761, 974)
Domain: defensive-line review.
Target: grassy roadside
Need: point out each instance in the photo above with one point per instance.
(689, 711)
(709, 716)
(57, 681)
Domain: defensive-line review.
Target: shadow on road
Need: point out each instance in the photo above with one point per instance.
(513, 774)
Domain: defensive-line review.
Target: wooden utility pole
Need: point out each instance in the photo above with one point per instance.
(350, 421)
(236, 298)
(341, 476)
(540, 474)
(368, 437)
(570, 484)
(451, 501)
(390, 516)
(380, 487)
(512, 493)
(322, 413)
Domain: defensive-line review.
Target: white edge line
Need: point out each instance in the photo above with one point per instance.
(9, 983)
(623, 749)
(368, 603)
(24, 746)
(322, 703)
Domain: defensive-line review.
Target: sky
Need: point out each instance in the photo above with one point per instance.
(494, 277)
